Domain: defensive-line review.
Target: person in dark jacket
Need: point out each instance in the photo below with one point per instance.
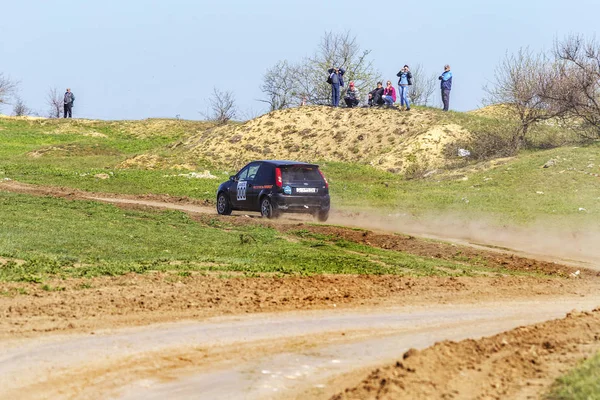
(446, 86)
(68, 104)
(375, 98)
(336, 79)
(352, 98)
(403, 85)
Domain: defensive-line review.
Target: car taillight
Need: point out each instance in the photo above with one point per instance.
(278, 180)
(325, 179)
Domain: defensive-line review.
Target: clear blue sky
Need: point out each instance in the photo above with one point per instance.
(133, 59)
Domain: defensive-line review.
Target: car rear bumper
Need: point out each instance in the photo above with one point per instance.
(301, 204)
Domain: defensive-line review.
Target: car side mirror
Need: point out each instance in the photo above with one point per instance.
(232, 178)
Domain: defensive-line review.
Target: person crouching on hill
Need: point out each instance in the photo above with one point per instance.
(389, 94)
(375, 95)
(351, 97)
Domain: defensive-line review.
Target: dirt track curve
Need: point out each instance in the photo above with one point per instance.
(146, 336)
(297, 355)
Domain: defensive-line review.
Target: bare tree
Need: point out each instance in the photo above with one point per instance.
(8, 88)
(521, 80)
(423, 86)
(55, 103)
(286, 85)
(339, 50)
(579, 69)
(20, 109)
(279, 86)
(222, 106)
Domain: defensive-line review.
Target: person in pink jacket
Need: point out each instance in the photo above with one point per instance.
(389, 94)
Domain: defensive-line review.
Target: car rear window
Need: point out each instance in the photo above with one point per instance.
(300, 173)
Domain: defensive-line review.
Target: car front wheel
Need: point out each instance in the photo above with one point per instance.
(223, 205)
(267, 210)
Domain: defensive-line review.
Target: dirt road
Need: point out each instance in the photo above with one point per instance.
(247, 339)
(298, 355)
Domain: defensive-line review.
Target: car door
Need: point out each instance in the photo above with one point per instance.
(243, 181)
(261, 181)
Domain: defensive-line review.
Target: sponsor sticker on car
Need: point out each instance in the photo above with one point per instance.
(306, 190)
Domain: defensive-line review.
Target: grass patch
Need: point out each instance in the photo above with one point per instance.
(582, 383)
(517, 191)
(62, 239)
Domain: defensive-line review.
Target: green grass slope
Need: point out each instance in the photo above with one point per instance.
(96, 156)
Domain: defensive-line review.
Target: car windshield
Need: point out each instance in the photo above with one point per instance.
(300, 173)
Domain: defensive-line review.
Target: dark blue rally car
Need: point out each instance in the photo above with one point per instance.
(273, 187)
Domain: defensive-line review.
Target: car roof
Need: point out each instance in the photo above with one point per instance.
(286, 162)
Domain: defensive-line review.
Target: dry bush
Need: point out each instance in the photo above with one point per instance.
(522, 81)
(423, 86)
(55, 103)
(20, 109)
(483, 145)
(222, 106)
(579, 61)
(8, 88)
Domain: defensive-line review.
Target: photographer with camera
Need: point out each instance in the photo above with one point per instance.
(403, 83)
(336, 81)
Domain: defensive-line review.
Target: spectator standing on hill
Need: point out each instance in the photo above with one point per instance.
(68, 107)
(336, 80)
(351, 97)
(389, 94)
(446, 86)
(375, 95)
(403, 85)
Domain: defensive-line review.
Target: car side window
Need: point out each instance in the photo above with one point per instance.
(252, 170)
(243, 175)
(248, 173)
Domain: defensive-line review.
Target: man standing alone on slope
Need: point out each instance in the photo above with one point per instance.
(446, 84)
(336, 81)
(69, 100)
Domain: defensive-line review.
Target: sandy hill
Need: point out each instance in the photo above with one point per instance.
(502, 111)
(385, 138)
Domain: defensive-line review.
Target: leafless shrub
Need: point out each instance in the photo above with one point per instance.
(55, 103)
(222, 107)
(522, 81)
(483, 145)
(20, 109)
(579, 69)
(279, 86)
(8, 88)
(423, 86)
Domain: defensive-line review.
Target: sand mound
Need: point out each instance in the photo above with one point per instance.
(385, 138)
(502, 111)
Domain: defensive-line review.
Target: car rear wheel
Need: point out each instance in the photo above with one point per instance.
(223, 205)
(323, 215)
(267, 210)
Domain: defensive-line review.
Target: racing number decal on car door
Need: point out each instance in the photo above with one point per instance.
(241, 190)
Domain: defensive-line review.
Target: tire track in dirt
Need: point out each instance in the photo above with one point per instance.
(71, 380)
(252, 357)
